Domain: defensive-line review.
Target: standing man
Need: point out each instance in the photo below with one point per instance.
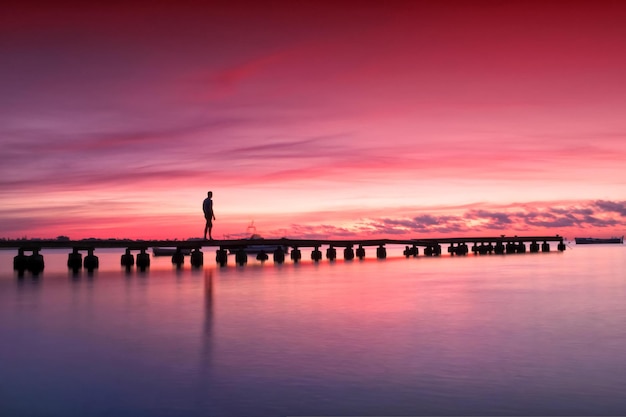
(207, 207)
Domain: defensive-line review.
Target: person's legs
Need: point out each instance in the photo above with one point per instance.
(206, 227)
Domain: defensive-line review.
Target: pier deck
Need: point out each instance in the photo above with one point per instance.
(240, 247)
(86, 244)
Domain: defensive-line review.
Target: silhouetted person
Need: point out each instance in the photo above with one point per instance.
(207, 207)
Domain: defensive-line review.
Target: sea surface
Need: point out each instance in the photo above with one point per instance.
(519, 334)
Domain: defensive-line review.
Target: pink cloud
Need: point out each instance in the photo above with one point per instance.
(539, 218)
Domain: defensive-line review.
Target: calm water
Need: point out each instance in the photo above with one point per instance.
(532, 334)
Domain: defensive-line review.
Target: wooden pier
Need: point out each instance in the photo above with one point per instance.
(30, 259)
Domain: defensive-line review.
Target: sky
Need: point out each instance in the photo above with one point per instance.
(313, 119)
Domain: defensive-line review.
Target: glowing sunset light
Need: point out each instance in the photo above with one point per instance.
(313, 118)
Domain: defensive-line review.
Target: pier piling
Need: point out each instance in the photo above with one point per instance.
(197, 258)
(279, 255)
(241, 257)
(534, 247)
(316, 254)
(221, 256)
(127, 260)
(178, 258)
(91, 261)
(331, 253)
(499, 249)
(33, 262)
(20, 261)
(296, 255)
(143, 260)
(75, 260)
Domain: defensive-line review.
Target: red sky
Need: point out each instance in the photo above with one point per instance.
(314, 119)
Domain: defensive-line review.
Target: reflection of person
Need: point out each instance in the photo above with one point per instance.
(207, 207)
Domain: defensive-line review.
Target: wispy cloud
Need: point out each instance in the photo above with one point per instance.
(538, 218)
(612, 206)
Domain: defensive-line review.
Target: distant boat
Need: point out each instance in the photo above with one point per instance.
(156, 251)
(257, 246)
(595, 240)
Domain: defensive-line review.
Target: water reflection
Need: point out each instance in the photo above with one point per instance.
(204, 388)
(208, 303)
(512, 335)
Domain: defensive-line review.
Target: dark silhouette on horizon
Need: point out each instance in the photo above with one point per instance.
(207, 207)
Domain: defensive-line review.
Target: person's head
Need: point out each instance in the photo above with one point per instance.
(209, 194)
